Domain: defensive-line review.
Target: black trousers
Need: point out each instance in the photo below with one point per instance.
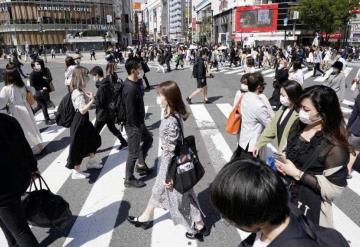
(42, 104)
(146, 81)
(92, 56)
(14, 225)
(137, 135)
(111, 125)
(168, 66)
(317, 67)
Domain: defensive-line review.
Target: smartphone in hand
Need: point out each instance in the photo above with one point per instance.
(279, 157)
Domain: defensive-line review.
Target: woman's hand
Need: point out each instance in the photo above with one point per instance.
(168, 183)
(90, 95)
(35, 174)
(287, 168)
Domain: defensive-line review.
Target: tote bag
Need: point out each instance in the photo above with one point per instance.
(42, 208)
(185, 169)
(233, 123)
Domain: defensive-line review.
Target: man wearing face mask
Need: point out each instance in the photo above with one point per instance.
(104, 95)
(135, 124)
(281, 76)
(336, 80)
(42, 89)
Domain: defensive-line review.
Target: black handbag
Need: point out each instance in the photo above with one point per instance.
(185, 168)
(42, 208)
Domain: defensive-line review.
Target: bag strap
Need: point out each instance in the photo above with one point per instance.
(41, 181)
(181, 130)
(239, 100)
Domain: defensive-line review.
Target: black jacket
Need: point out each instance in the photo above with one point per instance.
(354, 121)
(37, 80)
(104, 97)
(17, 160)
(293, 235)
(168, 56)
(199, 70)
(281, 76)
(134, 103)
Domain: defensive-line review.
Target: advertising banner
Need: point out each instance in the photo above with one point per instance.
(260, 18)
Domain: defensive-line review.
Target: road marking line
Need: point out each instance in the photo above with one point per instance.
(99, 212)
(348, 102)
(164, 226)
(346, 226)
(218, 149)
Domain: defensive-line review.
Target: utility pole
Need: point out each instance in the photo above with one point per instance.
(285, 25)
(42, 31)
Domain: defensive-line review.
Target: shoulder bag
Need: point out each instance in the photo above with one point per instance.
(44, 209)
(233, 123)
(185, 168)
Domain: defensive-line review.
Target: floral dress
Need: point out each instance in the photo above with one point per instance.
(184, 208)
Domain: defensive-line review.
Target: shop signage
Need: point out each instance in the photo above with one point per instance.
(64, 8)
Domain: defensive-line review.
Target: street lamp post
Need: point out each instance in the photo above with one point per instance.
(42, 31)
(285, 25)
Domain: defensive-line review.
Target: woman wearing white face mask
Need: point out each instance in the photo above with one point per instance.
(280, 125)
(85, 140)
(184, 208)
(317, 155)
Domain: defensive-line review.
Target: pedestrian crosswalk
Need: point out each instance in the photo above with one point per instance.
(270, 72)
(95, 220)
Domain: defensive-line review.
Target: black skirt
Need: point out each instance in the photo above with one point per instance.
(84, 139)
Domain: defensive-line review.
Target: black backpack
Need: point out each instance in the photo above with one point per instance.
(65, 112)
(117, 105)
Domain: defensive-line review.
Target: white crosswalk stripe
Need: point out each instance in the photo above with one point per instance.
(100, 208)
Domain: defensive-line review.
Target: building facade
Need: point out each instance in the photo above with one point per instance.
(152, 18)
(176, 19)
(57, 23)
(203, 23)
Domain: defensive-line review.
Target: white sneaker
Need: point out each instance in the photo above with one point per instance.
(94, 163)
(79, 175)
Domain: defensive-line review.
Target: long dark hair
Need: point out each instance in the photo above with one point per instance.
(171, 91)
(12, 76)
(327, 104)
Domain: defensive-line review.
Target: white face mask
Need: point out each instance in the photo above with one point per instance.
(244, 87)
(281, 66)
(77, 61)
(305, 118)
(284, 101)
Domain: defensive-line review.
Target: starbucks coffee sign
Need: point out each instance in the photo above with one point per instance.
(64, 8)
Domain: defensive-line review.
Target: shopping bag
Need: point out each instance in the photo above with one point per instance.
(42, 208)
(233, 123)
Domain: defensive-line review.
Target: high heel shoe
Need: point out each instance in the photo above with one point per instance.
(199, 233)
(135, 221)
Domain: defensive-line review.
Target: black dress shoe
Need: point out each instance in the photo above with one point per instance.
(188, 100)
(135, 183)
(135, 221)
(199, 233)
(143, 170)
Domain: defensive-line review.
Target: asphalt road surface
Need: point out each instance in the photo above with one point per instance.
(101, 203)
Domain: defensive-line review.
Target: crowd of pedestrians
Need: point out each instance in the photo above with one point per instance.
(314, 155)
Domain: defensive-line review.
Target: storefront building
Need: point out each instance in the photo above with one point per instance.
(203, 31)
(56, 23)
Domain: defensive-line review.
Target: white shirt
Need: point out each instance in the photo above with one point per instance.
(258, 242)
